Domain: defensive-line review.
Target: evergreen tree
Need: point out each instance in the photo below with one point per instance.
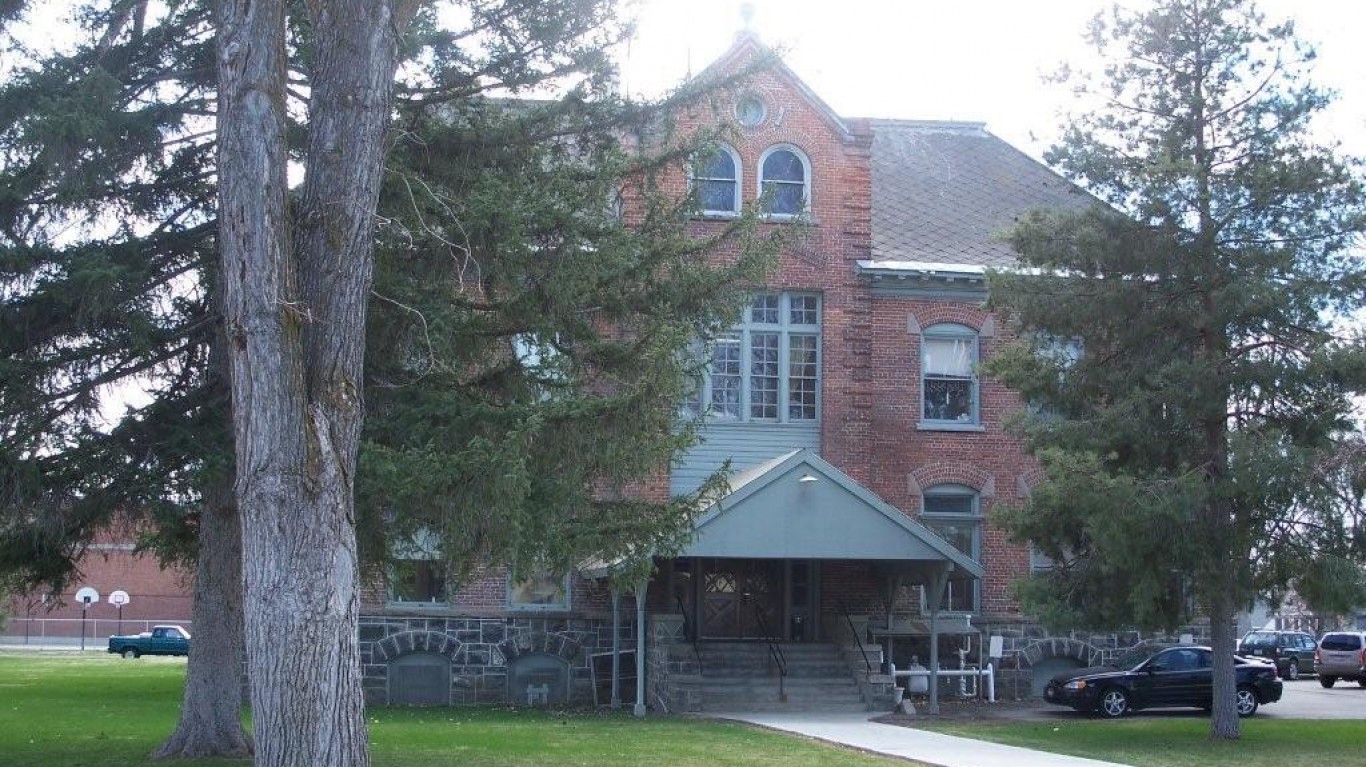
(550, 300)
(110, 408)
(1183, 445)
(110, 280)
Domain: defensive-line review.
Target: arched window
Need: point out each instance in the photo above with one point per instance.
(716, 182)
(948, 376)
(785, 181)
(954, 513)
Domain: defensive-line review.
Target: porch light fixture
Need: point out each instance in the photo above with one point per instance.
(808, 478)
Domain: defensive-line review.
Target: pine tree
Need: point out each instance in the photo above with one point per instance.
(110, 408)
(1182, 446)
(113, 279)
(550, 297)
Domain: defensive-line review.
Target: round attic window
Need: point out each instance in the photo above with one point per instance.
(750, 111)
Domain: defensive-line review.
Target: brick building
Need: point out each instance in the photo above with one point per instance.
(868, 451)
(156, 594)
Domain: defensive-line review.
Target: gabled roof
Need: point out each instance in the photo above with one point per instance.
(798, 506)
(748, 46)
(946, 192)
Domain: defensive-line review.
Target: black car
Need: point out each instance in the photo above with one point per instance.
(1292, 651)
(1178, 676)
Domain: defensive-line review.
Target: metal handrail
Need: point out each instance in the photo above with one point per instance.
(775, 651)
(690, 631)
(844, 610)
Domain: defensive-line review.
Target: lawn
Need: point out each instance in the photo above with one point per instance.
(62, 710)
(1160, 741)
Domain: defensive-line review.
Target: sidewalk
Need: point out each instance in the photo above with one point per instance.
(907, 743)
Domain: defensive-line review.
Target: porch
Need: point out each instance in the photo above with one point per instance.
(792, 560)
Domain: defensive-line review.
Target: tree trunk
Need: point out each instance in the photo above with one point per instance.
(211, 712)
(296, 330)
(1224, 717)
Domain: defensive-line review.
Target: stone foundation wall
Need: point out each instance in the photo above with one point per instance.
(1028, 643)
(672, 672)
(480, 648)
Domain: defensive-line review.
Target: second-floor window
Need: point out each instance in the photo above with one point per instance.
(948, 377)
(767, 369)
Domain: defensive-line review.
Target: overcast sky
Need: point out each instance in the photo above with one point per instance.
(966, 60)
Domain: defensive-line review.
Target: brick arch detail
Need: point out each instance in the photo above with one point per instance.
(407, 642)
(953, 314)
(1028, 479)
(949, 473)
(564, 647)
(1043, 649)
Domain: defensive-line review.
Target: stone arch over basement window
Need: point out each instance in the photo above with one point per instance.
(418, 667)
(1046, 658)
(715, 179)
(785, 181)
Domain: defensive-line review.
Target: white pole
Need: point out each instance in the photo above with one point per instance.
(639, 709)
(616, 648)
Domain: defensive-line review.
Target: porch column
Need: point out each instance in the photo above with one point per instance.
(938, 584)
(639, 709)
(616, 648)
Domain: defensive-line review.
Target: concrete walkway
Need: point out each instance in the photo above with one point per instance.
(908, 743)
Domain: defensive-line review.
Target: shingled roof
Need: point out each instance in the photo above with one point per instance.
(946, 192)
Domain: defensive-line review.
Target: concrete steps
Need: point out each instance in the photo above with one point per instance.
(742, 676)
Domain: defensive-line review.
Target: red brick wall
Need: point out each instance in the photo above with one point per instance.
(155, 594)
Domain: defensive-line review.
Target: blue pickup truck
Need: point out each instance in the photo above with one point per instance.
(161, 640)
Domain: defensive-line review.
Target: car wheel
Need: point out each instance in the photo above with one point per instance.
(1246, 701)
(1114, 703)
(1292, 672)
(131, 653)
(1361, 682)
(1328, 681)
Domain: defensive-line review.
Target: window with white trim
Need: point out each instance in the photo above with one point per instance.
(767, 368)
(785, 181)
(953, 512)
(948, 375)
(539, 591)
(715, 181)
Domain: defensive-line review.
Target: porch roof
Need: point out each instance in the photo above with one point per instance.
(799, 506)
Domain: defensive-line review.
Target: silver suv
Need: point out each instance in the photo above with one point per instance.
(1341, 655)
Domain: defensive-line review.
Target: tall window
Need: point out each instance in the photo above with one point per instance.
(954, 513)
(767, 369)
(785, 181)
(716, 182)
(948, 379)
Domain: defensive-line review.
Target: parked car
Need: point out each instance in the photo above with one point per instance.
(1177, 676)
(1291, 651)
(1341, 655)
(161, 640)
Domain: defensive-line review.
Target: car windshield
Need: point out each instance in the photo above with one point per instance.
(1260, 639)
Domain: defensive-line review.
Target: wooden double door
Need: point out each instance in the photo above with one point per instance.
(756, 599)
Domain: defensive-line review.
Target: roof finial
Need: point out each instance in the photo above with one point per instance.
(747, 16)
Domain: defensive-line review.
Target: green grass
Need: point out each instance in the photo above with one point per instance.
(1157, 741)
(63, 710)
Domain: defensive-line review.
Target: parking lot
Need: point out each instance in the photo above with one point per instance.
(1307, 699)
